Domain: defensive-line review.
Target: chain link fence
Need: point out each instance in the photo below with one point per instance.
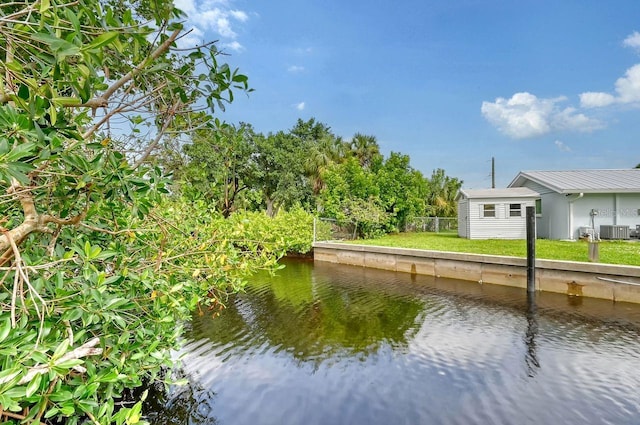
(330, 229)
(432, 224)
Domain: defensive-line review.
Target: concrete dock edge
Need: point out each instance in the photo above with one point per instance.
(595, 280)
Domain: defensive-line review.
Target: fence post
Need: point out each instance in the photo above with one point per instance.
(437, 224)
(314, 229)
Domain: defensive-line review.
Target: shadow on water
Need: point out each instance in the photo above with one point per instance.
(531, 357)
(329, 343)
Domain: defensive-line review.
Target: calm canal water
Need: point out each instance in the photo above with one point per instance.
(331, 344)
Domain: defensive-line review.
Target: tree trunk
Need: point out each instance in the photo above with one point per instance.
(270, 207)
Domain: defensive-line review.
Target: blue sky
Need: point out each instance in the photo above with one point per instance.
(539, 85)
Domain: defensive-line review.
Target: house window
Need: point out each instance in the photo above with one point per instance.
(515, 210)
(538, 206)
(489, 210)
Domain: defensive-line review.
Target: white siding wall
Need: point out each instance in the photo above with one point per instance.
(627, 209)
(555, 216)
(543, 221)
(502, 226)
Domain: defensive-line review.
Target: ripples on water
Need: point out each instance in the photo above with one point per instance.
(330, 344)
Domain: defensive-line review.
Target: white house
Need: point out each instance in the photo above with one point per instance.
(578, 202)
(494, 213)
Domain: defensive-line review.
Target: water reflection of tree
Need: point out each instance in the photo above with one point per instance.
(307, 313)
(181, 405)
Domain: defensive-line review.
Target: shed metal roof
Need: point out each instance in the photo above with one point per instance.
(584, 181)
(513, 192)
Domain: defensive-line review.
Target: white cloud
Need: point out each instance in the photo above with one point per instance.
(627, 90)
(525, 115)
(215, 17)
(633, 41)
(596, 99)
(561, 146)
(234, 45)
(194, 37)
(300, 106)
(295, 68)
(186, 6)
(239, 15)
(628, 87)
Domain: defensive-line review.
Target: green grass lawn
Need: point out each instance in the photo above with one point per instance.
(611, 252)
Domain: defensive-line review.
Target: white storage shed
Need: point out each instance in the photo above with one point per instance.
(494, 213)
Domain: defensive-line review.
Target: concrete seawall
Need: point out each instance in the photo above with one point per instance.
(606, 281)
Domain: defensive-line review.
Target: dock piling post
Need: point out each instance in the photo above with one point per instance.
(531, 249)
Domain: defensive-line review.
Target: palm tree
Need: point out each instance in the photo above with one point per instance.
(365, 148)
(328, 150)
(443, 190)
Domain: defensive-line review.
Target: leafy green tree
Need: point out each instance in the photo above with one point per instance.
(442, 192)
(220, 165)
(97, 268)
(322, 148)
(280, 174)
(352, 196)
(403, 189)
(310, 131)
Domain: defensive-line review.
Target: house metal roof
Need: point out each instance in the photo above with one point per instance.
(513, 192)
(584, 181)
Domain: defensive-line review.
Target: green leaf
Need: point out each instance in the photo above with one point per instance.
(73, 18)
(18, 171)
(23, 92)
(60, 350)
(240, 78)
(9, 374)
(14, 392)
(67, 408)
(134, 415)
(33, 385)
(61, 396)
(21, 151)
(44, 5)
(53, 115)
(66, 101)
(51, 412)
(101, 41)
(68, 364)
(61, 47)
(5, 328)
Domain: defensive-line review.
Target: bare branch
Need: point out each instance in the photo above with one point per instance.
(135, 71)
(167, 121)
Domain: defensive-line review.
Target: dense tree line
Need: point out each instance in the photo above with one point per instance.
(237, 168)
